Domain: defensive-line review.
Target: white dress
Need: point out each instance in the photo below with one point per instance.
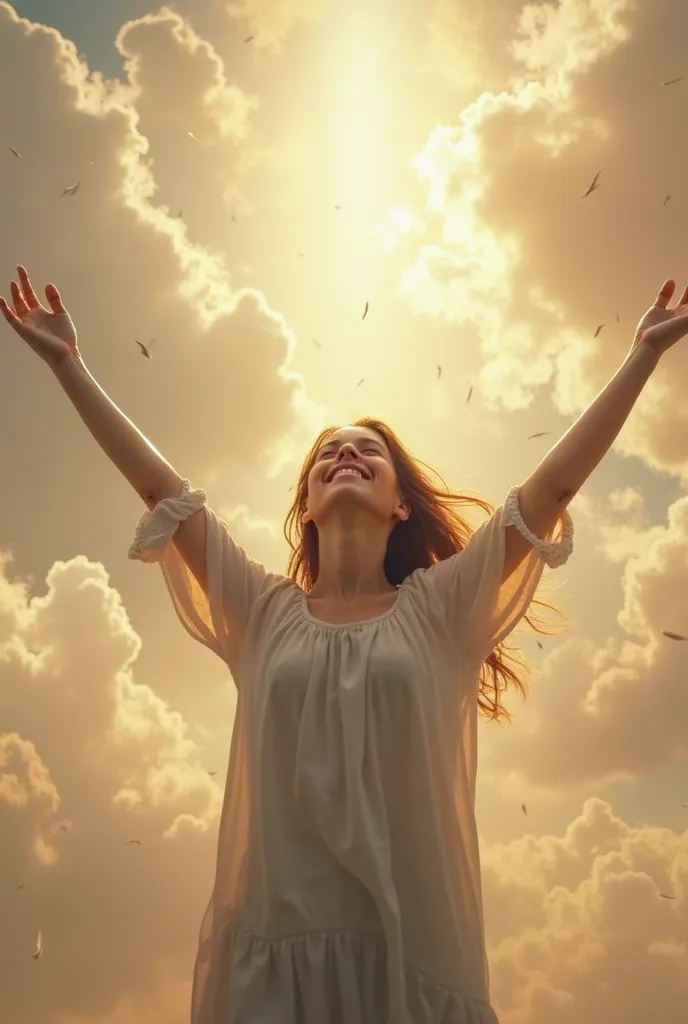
(347, 887)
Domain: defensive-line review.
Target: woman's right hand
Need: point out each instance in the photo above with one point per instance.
(49, 332)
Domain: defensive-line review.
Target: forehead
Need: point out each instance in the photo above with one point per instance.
(356, 435)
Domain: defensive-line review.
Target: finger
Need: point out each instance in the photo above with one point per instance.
(684, 298)
(53, 297)
(8, 313)
(664, 294)
(20, 307)
(29, 294)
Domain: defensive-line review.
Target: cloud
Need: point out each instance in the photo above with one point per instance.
(270, 22)
(503, 189)
(606, 698)
(577, 928)
(108, 761)
(176, 289)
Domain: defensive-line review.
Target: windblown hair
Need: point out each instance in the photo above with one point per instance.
(434, 531)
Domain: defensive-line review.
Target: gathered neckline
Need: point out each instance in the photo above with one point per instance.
(356, 622)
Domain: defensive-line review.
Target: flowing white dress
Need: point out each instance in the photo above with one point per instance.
(347, 886)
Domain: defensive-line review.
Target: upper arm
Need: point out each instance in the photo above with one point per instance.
(483, 591)
(213, 583)
(190, 537)
(541, 505)
(190, 540)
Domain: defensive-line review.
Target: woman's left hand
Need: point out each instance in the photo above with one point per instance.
(662, 327)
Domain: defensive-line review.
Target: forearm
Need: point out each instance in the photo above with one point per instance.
(571, 461)
(140, 463)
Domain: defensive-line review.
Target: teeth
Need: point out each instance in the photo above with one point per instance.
(347, 470)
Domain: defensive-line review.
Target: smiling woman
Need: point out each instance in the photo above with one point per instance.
(347, 883)
(348, 886)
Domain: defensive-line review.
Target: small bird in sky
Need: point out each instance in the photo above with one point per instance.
(38, 951)
(365, 311)
(593, 185)
(13, 150)
(665, 897)
(360, 382)
(674, 636)
(439, 371)
(249, 38)
(673, 81)
(211, 774)
(543, 433)
(666, 200)
(617, 319)
(64, 828)
(179, 213)
(70, 190)
(599, 328)
(337, 207)
(468, 396)
(317, 343)
(524, 808)
(130, 841)
(20, 886)
(539, 645)
(145, 349)
(194, 137)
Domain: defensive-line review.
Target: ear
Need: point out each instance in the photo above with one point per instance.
(403, 510)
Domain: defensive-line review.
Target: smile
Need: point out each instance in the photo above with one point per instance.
(347, 471)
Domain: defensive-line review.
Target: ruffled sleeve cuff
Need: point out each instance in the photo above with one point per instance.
(554, 552)
(157, 527)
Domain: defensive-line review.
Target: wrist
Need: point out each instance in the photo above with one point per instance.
(646, 352)
(68, 365)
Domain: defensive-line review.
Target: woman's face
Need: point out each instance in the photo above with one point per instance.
(352, 472)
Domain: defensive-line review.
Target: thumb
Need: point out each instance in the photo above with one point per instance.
(54, 299)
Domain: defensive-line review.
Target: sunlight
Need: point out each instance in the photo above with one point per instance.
(360, 97)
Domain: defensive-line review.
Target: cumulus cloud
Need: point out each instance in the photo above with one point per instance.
(107, 761)
(503, 188)
(577, 926)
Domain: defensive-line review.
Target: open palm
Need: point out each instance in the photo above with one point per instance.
(662, 327)
(50, 332)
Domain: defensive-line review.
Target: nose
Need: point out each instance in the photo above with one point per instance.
(347, 453)
(348, 448)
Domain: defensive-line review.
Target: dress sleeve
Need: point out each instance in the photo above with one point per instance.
(481, 610)
(218, 618)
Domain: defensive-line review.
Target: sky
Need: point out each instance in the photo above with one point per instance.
(428, 158)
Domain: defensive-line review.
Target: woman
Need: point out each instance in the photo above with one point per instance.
(347, 885)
